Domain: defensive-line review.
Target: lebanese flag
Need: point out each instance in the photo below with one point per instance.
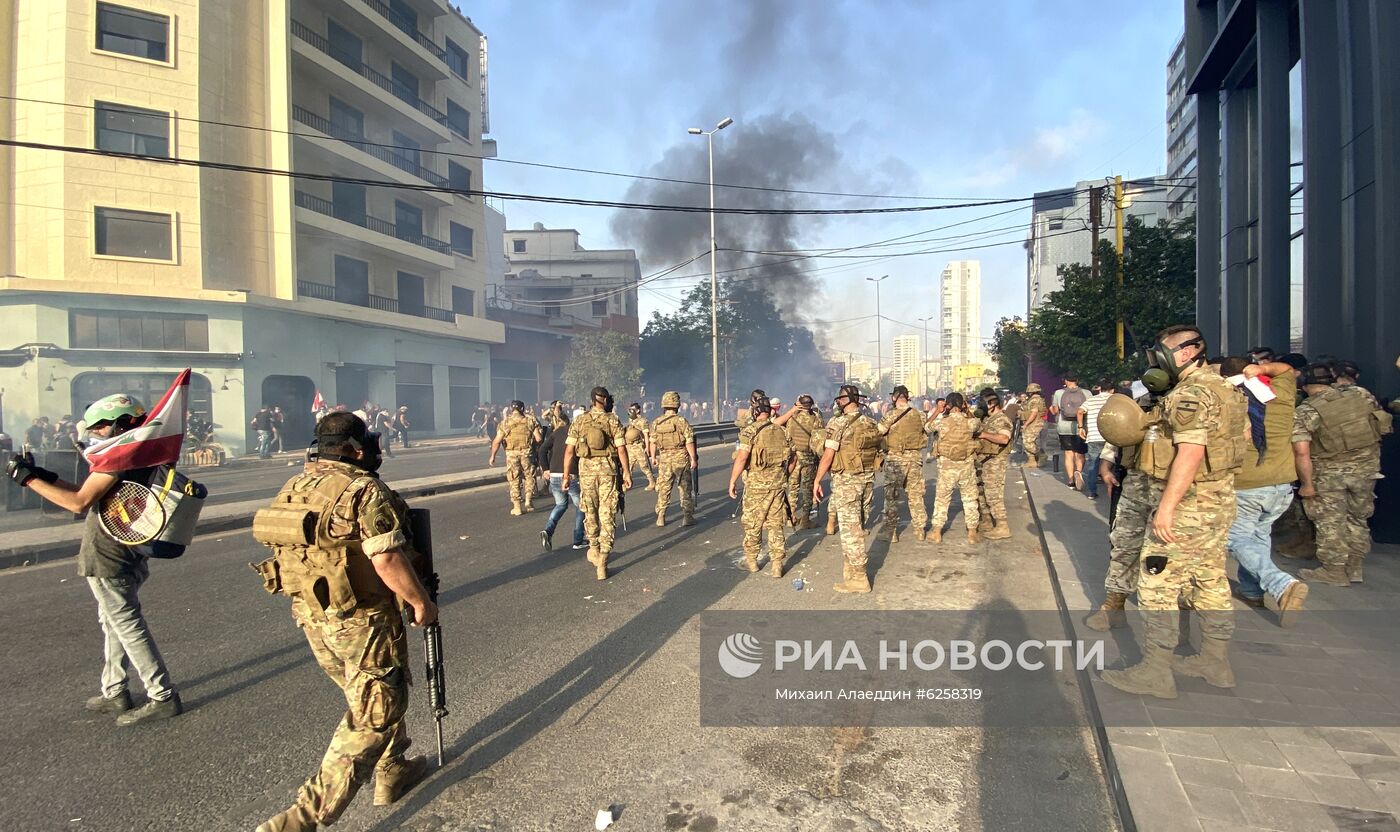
(156, 442)
(318, 404)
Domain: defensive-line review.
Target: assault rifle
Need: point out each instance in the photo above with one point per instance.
(420, 527)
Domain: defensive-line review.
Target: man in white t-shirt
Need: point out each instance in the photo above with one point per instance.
(1093, 440)
(1065, 408)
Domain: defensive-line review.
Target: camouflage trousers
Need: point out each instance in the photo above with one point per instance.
(848, 495)
(1344, 502)
(765, 510)
(1195, 564)
(673, 469)
(1126, 536)
(520, 477)
(597, 499)
(951, 475)
(367, 657)
(637, 455)
(800, 485)
(1030, 438)
(991, 488)
(904, 474)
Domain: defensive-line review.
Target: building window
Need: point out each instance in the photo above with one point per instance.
(518, 246)
(558, 381)
(345, 47)
(132, 32)
(463, 301)
(146, 387)
(463, 395)
(141, 234)
(459, 119)
(459, 61)
(514, 380)
(413, 386)
(600, 308)
(459, 177)
(405, 83)
(131, 130)
(461, 239)
(113, 330)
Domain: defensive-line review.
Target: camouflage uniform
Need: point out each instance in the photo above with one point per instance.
(517, 432)
(1032, 423)
(906, 434)
(852, 480)
(800, 429)
(765, 491)
(637, 449)
(991, 469)
(1345, 469)
(597, 478)
(955, 467)
(673, 464)
(358, 638)
(1129, 529)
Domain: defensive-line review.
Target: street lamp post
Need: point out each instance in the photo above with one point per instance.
(924, 360)
(879, 339)
(714, 282)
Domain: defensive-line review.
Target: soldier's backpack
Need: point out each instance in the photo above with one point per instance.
(860, 446)
(667, 434)
(633, 434)
(596, 440)
(518, 433)
(767, 448)
(955, 438)
(1347, 425)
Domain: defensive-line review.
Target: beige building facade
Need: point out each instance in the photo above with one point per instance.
(134, 241)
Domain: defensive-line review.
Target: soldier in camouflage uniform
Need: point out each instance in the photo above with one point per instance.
(852, 442)
(1192, 454)
(803, 424)
(992, 453)
(1125, 536)
(1032, 423)
(596, 439)
(346, 585)
(765, 454)
(1336, 445)
(636, 436)
(956, 468)
(519, 432)
(905, 435)
(672, 446)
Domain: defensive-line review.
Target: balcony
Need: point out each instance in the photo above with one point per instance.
(408, 28)
(411, 243)
(334, 64)
(325, 291)
(379, 151)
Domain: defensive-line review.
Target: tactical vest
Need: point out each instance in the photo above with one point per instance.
(328, 574)
(1346, 425)
(1225, 445)
(668, 434)
(986, 447)
(518, 433)
(634, 432)
(767, 448)
(594, 437)
(800, 429)
(817, 444)
(1034, 409)
(907, 434)
(860, 444)
(955, 441)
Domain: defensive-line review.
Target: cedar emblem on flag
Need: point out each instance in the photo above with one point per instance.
(156, 441)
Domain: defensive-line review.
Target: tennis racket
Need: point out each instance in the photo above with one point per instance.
(131, 514)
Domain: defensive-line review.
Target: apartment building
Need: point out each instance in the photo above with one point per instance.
(360, 277)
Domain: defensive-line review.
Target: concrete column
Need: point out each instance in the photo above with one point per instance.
(1208, 230)
(1323, 331)
(1235, 201)
(1272, 135)
(1377, 355)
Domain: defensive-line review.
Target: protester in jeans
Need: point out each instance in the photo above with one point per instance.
(1264, 490)
(1093, 440)
(262, 423)
(551, 461)
(1065, 408)
(114, 573)
(401, 424)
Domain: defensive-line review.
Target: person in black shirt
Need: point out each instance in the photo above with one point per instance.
(551, 462)
(262, 423)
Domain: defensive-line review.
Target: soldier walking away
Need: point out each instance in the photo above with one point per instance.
(1123, 424)
(671, 446)
(956, 427)
(1192, 454)
(520, 432)
(343, 553)
(114, 572)
(765, 456)
(636, 435)
(852, 443)
(804, 428)
(992, 453)
(1032, 423)
(595, 439)
(1336, 447)
(905, 434)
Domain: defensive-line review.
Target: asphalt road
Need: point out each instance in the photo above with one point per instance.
(567, 695)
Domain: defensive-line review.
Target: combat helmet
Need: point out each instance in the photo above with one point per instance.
(670, 399)
(1032, 388)
(1121, 421)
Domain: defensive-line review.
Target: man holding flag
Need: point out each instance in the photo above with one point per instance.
(131, 442)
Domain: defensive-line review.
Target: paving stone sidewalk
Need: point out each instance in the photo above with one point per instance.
(1309, 739)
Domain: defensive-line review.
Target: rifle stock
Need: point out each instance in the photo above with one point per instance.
(420, 528)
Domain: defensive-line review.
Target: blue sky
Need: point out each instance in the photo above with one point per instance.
(941, 98)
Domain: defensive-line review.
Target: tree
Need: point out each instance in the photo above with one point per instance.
(1074, 331)
(602, 359)
(1009, 349)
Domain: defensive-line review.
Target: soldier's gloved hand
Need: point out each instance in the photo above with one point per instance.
(22, 470)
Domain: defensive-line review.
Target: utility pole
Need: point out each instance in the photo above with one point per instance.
(1095, 220)
(1118, 242)
(714, 283)
(879, 338)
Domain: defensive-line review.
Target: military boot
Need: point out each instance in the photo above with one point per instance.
(856, 581)
(296, 819)
(921, 534)
(393, 781)
(890, 532)
(1031, 462)
(999, 532)
(602, 564)
(1110, 615)
(660, 521)
(1210, 664)
(688, 521)
(775, 567)
(121, 703)
(1332, 574)
(529, 506)
(651, 486)
(751, 563)
(515, 510)
(592, 556)
(1289, 603)
(936, 535)
(972, 536)
(1354, 569)
(831, 522)
(1151, 677)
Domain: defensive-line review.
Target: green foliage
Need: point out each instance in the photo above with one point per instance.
(1009, 348)
(602, 359)
(1074, 331)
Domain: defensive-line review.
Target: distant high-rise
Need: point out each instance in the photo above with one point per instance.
(906, 362)
(1181, 136)
(961, 305)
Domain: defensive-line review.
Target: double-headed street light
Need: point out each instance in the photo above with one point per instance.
(714, 282)
(879, 339)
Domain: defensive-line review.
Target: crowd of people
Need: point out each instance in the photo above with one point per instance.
(44, 434)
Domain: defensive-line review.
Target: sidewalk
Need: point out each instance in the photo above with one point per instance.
(1256, 756)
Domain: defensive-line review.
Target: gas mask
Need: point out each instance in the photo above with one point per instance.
(1163, 373)
(980, 412)
(606, 402)
(370, 458)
